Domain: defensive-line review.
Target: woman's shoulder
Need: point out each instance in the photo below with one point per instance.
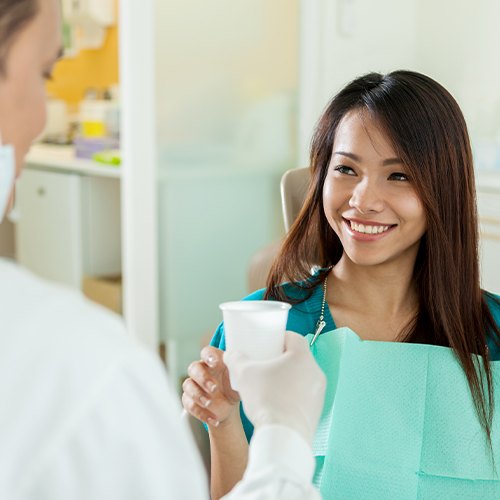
(293, 292)
(493, 302)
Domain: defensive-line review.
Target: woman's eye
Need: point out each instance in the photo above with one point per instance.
(345, 170)
(398, 176)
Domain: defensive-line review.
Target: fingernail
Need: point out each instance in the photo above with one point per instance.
(211, 387)
(205, 402)
(213, 422)
(211, 360)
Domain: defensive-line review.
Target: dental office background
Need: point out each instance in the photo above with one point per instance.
(156, 181)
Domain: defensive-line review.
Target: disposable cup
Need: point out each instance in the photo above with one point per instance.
(255, 328)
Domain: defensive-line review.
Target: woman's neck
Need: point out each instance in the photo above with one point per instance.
(383, 290)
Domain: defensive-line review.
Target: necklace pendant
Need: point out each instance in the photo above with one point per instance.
(319, 328)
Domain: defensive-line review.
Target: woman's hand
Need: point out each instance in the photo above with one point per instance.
(208, 395)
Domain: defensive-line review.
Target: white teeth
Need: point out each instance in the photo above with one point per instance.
(362, 228)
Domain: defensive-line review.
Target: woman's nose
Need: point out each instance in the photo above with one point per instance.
(366, 198)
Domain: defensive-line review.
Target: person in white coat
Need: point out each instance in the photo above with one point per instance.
(86, 411)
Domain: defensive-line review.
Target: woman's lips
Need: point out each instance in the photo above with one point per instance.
(367, 231)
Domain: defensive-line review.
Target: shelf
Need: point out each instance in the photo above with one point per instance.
(62, 158)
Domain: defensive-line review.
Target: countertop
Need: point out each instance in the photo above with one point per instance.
(62, 158)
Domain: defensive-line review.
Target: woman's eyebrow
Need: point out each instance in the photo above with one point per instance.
(352, 156)
(392, 161)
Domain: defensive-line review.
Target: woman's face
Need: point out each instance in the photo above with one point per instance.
(22, 89)
(368, 199)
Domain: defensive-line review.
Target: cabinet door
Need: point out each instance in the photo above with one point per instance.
(101, 226)
(48, 235)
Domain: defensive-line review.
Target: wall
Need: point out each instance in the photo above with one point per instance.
(96, 68)
(453, 41)
(216, 61)
(457, 44)
(342, 39)
(362, 36)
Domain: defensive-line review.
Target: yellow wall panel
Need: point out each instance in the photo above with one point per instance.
(96, 68)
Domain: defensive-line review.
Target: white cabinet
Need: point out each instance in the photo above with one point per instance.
(49, 230)
(68, 225)
(101, 226)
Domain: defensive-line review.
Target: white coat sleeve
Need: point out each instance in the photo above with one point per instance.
(127, 442)
(280, 467)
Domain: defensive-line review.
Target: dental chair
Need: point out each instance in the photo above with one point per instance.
(294, 184)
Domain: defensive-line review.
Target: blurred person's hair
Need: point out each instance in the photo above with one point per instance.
(14, 16)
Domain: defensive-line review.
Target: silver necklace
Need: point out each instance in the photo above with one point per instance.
(321, 323)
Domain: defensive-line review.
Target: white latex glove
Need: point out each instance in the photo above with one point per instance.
(288, 390)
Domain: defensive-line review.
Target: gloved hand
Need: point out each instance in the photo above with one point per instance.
(288, 390)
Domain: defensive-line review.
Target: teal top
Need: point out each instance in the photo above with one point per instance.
(303, 317)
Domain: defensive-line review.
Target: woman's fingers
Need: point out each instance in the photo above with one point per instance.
(194, 409)
(213, 358)
(207, 393)
(201, 404)
(196, 393)
(200, 373)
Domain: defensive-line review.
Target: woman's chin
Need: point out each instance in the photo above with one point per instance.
(366, 259)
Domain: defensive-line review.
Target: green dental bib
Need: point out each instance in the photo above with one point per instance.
(399, 423)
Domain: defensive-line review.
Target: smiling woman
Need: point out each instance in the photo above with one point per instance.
(390, 219)
(368, 197)
(394, 150)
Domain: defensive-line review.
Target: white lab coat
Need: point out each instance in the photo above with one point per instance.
(87, 413)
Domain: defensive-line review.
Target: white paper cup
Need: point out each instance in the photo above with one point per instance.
(256, 328)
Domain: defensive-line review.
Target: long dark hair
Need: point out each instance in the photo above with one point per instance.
(429, 134)
(14, 16)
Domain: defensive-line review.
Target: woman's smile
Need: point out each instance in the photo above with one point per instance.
(367, 230)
